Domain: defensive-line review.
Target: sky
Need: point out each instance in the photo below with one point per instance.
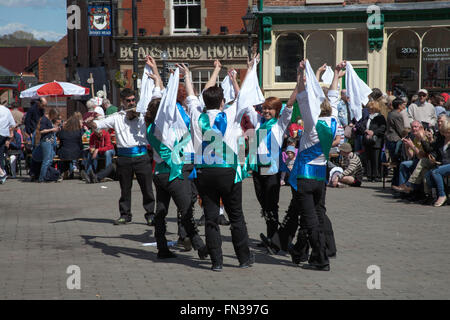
(43, 18)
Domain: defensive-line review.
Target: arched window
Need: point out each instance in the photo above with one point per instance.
(289, 52)
(320, 49)
(403, 63)
(436, 60)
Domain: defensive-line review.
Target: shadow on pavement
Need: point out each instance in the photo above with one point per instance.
(109, 221)
(116, 251)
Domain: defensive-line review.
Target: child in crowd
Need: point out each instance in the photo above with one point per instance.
(291, 153)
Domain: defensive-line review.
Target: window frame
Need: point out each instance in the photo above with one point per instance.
(184, 31)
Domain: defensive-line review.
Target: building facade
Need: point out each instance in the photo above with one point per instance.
(195, 32)
(396, 46)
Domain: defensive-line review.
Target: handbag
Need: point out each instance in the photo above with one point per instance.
(348, 132)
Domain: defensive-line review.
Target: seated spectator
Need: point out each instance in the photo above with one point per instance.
(296, 128)
(422, 110)
(11, 145)
(438, 102)
(70, 146)
(100, 146)
(440, 156)
(108, 107)
(416, 152)
(350, 170)
(291, 153)
(16, 113)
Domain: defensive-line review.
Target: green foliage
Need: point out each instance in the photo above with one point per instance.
(23, 39)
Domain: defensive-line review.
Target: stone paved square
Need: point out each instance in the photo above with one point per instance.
(45, 228)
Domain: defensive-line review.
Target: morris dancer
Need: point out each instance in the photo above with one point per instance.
(309, 173)
(133, 158)
(264, 162)
(219, 175)
(168, 135)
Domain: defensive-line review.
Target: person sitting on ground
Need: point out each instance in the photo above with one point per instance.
(351, 172)
(100, 146)
(291, 153)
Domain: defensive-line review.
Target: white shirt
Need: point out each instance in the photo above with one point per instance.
(277, 131)
(233, 130)
(6, 121)
(310, 137)
(129, 133)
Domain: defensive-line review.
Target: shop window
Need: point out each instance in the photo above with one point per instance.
(186, 16)
(403, 63)
(355, 45)
(201, 77)
(436, 60)
(315, 52)
(289, 52)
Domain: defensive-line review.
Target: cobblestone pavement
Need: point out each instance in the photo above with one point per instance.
(45, 228)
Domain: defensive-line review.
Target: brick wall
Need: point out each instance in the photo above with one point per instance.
(281, 3)
(150, 16)
(219, 13)
(51, 65)
(225, 13)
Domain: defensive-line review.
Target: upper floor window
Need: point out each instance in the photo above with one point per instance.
(186, 16)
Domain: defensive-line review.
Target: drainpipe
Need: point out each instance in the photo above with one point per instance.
(260, 37)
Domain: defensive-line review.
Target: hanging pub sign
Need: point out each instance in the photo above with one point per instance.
(99, 18)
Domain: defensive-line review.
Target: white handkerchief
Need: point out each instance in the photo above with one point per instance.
(315, 94)
(166, 115)
(228, 89)
(357, 90)
(327, 76)
(145, 95)
(250, 94)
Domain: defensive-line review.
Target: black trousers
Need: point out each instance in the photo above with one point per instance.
(213, 184)
(292, 220)
(187, 168)
(127, 167)
(373, 162)
(180, 191)
(267, 189)
(308, 198)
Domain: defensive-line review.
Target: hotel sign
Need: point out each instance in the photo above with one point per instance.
(187, 51)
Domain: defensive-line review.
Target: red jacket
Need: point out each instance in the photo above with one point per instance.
(102, 143)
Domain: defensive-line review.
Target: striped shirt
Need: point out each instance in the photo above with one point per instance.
(352, 166)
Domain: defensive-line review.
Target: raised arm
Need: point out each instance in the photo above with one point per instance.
(213, 80)
(233, 74)
(320, 70)
(192, 102)
(339, 72)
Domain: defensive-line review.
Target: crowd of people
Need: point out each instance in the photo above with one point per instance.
(188, 146)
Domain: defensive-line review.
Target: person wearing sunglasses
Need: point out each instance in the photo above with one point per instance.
(422, 110)
(132, 156)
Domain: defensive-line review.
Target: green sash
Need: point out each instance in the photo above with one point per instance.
(326, 136)
(241, 172)
(253, 160)
(172, 162)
